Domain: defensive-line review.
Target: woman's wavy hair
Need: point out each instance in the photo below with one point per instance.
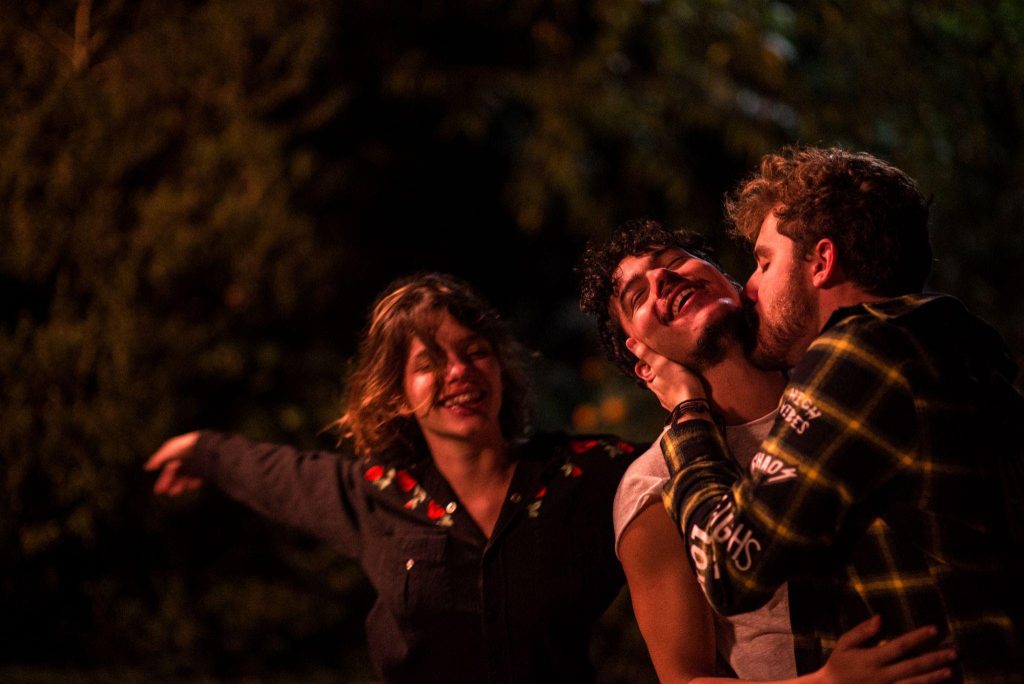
(377, 418)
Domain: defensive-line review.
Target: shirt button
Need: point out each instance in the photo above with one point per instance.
(409, 563)
(516, 498)
(450, 508)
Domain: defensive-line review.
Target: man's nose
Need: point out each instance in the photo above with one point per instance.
(659, 278)
(750, 289)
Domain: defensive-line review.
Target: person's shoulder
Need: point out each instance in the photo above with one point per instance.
(911, 312)
(889, 327)
(649, 463)
(639, 488)
(647, 471)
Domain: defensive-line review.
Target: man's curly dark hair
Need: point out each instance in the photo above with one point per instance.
(598, 283)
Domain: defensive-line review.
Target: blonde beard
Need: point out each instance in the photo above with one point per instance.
(779, 339)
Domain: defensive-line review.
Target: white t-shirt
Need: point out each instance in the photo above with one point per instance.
(757, 645)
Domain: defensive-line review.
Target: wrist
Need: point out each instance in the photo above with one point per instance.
(682, 394)
(696, 408)
(693, 388)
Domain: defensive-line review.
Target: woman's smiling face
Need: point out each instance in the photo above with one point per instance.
(453, 386)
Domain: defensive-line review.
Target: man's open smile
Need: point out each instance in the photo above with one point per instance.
(677, 299)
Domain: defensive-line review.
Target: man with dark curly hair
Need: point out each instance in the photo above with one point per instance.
(697, 319)
(890, 483)
(708, 332)
(599, 277)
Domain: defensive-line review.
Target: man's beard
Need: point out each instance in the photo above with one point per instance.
(776, 337)
(714, 341)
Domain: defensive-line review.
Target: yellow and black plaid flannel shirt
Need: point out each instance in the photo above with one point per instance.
(889, 484)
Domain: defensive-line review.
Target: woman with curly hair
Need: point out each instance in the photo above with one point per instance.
(491, 552)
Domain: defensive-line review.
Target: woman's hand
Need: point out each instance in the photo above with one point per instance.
(853, 662)
(671, 382)
(168, 459)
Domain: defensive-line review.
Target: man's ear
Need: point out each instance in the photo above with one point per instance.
(641, 368)
(643, 371)
(825, 268)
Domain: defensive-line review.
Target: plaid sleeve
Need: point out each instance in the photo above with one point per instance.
(846, 425)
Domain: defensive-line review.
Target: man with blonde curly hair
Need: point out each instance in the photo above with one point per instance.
(890, 483)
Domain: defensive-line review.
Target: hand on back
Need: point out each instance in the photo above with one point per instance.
(893, 661)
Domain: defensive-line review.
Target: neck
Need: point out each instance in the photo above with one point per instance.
(740, 391)
(470, 465)
(835, 297)
(479, 473)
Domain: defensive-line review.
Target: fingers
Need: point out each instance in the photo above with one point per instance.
(937, 676)
(861, 633)
(930, 667)
(906, 643)
(644, 356)
(639, 349)
(172, 482)
(166, 478)
(650, 363)
(184, 484)
(174, 448)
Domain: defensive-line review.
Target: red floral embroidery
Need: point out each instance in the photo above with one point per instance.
(626, 447)
(434, 511)
(582, 446)
(571, 470)
(540, 493)
(405, 481)
(382, 479)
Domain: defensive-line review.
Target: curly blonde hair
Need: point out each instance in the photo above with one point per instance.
(875, 213)
(377, 418)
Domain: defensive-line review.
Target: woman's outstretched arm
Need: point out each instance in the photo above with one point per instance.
(313, 491)
(167, 461)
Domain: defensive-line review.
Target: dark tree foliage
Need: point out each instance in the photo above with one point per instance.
(199, 199)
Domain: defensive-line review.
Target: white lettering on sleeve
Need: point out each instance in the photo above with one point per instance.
(773, 469)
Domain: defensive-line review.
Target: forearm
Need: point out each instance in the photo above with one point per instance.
(700, 498)
(674, 618)
(304, 490)
(825, 457)
(813, 678)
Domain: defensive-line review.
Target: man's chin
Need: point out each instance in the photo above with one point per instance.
(718, 338)
(768, 358)
(775, 351)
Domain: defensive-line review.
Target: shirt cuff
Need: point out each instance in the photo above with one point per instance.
(202, 459)
(690, 441)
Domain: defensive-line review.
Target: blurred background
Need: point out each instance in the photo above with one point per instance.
(199, 200)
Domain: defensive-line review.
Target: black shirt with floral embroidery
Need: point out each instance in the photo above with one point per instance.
(454, 606)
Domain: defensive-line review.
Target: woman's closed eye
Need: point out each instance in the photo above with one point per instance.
(478, 350)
